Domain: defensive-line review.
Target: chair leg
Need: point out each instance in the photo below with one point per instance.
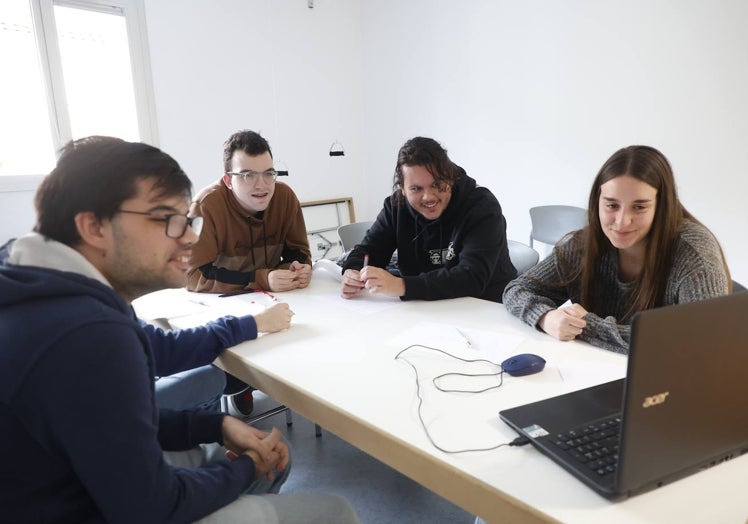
(267, 414)
(270, 413)
(289, 422)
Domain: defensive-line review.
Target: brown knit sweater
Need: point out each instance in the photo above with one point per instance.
(237, 251)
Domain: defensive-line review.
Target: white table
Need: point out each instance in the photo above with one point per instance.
(336, 367)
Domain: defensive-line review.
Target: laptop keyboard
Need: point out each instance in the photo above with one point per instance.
(594, 445)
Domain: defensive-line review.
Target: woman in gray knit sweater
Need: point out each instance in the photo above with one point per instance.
(642, 249)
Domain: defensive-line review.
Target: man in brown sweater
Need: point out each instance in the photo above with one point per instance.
(253, 236)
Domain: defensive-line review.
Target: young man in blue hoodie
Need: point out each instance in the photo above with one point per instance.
(450, 234)
(82, 439)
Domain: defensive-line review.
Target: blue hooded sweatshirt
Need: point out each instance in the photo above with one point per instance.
(80, 437)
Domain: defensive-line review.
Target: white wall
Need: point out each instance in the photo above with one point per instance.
(532, 97)
(274, 66)
(277, 67)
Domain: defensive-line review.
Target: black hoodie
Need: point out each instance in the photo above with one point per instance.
(462, 253)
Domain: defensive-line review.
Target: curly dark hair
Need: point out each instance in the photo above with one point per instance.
(428, 153)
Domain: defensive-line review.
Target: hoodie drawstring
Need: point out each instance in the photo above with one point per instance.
(252, 243)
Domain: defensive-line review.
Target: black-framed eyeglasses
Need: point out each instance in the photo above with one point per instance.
(176, 225)
(252, 176)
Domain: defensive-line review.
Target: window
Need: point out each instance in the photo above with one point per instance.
(72, 68)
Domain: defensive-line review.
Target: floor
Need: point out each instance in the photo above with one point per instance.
(380, 494)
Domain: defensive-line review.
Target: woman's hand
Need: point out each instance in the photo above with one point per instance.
(564, 323)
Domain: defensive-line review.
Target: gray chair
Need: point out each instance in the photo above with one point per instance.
(551, 223)
(737, 287)
(523, 257)
(352, 234)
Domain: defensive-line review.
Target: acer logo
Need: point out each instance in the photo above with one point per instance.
(655, 399)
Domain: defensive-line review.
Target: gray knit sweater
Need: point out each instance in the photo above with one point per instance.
(697, 274)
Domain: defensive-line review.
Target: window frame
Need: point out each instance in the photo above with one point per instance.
(45, 32)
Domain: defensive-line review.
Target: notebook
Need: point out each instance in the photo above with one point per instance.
(680, 409)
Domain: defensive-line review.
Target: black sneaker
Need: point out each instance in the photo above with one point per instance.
(241, 404)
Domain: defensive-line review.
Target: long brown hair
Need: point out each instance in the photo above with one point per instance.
(648, 165)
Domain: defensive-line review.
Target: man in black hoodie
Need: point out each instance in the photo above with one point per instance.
(450, 234)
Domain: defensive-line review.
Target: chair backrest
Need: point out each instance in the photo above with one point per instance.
(551, 223)
(523, 257)
(352, 234)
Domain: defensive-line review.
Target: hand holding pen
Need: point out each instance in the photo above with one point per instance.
(275, 318)
(380, 281)
(351, 281)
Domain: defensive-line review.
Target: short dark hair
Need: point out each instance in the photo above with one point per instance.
(245, 140)
(97, 174)
(428, 153)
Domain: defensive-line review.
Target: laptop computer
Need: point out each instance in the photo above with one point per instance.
(680, 409)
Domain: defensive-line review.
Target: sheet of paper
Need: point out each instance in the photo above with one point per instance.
(216, 307)
(579, 374)
(365, 303)
(183, 309)
(483, 344)
(167, 303)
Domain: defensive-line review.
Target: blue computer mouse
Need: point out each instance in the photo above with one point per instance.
(524, 364)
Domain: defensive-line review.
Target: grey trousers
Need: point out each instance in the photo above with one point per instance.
(261, 504)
